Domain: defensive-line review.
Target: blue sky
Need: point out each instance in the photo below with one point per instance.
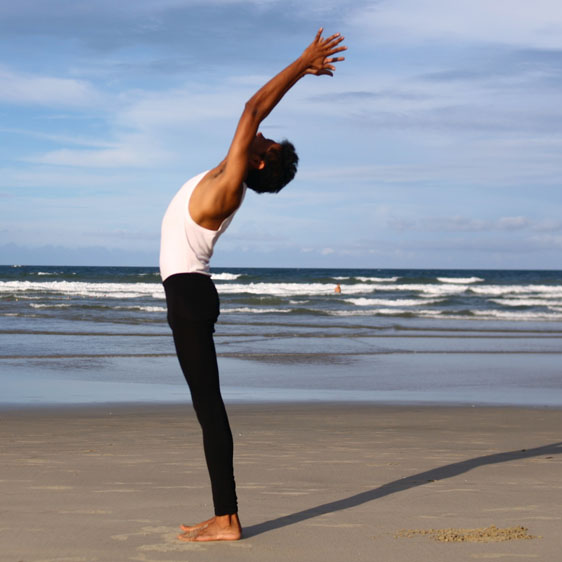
(437, 143)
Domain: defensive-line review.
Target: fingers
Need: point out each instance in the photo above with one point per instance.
(328, 63)
(333, 37)
(331, 52)
(319, 71)
(334, 40)
(331, 45)
(328, 66)
(320, 53)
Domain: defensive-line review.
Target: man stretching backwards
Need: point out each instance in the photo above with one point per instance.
(198, 214)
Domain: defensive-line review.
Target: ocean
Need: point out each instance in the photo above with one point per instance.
(78, 335)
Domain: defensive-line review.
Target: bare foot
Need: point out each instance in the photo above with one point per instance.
(219, 528)
(191, 528)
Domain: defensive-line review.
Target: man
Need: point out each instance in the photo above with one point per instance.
(199, 213)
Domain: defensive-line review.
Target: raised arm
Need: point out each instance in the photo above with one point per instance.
(219, 194)
(316, 59)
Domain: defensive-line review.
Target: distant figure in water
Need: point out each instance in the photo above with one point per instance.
(198, 214)
(337, 289)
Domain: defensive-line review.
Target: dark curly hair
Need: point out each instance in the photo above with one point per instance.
(280, 168)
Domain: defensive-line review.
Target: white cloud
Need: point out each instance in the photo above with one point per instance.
(513, 223)
(176, 108)
(426, 133)
(19, 88)
(130, 151)
(77, 139)
(162, 5)
(469, 224)
(548, 225)
(549, 241)
(91, 158)
(49, 177)
(511, 22)
(146, 126)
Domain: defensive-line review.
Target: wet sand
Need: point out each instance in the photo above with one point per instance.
(316, 483)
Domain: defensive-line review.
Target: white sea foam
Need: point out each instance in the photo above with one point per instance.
(524, 302)
(366, 296)
(83, 289)
(517, 315)
(390, 302)
(555, 315)
(389, 311)
(462, 280)
(48, 273)
(354, 312)
(431, 289)
(550, 291)
(377, 279)
(493, 315)
(34, 305)
(370, 312)
(249, 310)
(290, 289)
(319, 289)
(155, 290)
(226, 276)
(430, 313)
(143, 308)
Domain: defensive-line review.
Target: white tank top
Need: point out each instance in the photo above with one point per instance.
(185, 246)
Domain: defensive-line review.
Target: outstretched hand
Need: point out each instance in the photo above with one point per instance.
(318, 55)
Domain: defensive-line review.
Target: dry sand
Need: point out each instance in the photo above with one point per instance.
(316, 483)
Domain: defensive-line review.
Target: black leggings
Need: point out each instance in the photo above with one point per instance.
(193, 309)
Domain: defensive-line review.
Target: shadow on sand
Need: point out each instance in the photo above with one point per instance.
(440, 473)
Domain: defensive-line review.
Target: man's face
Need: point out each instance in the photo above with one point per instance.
(261, 145)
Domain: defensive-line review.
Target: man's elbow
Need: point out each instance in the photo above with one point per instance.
(252, 109)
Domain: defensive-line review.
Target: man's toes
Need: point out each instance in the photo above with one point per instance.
(186, 537)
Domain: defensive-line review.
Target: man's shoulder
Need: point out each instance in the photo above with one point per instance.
(218, 180)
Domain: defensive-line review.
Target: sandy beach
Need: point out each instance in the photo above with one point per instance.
(316, 482)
